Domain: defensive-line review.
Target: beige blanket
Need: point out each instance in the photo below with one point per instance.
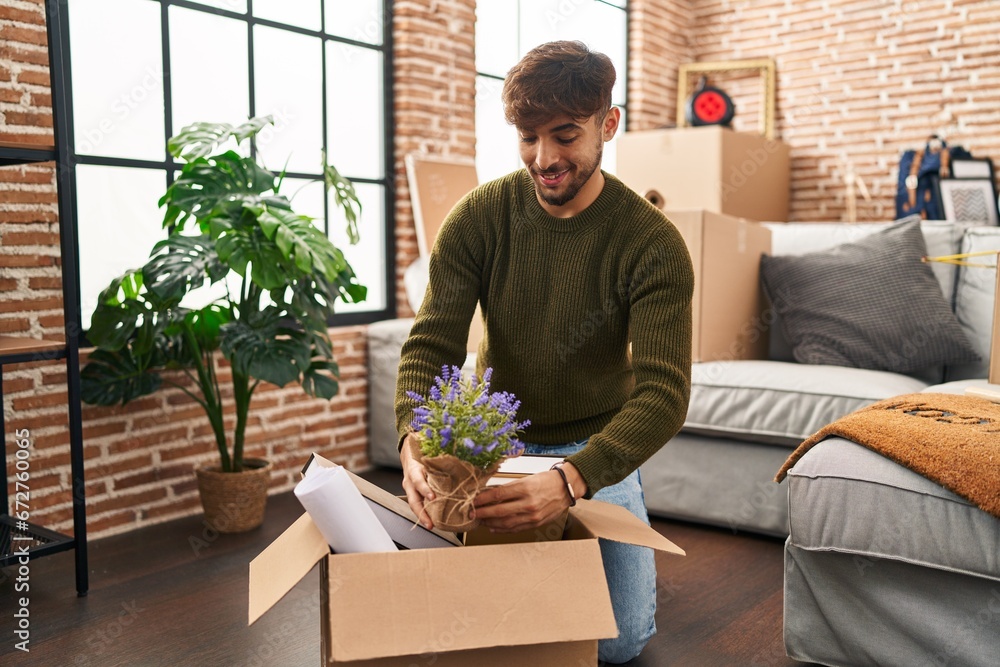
(950, 439)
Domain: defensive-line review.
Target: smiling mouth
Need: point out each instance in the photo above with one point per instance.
(552, 179)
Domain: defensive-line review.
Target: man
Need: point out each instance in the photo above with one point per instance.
(569, 267)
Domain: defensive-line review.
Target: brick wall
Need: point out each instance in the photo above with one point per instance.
(659, 35)
(435, 88)
(858, 82)
(25, 101)
(857, 79)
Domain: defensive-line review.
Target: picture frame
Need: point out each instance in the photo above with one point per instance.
(763, 68)
(972, 168)
(969, 200)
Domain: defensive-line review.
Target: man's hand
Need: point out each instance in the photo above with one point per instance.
(415, 480)
(527, 503)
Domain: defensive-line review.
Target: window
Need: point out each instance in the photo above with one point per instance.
(144, 69)
(505, 31)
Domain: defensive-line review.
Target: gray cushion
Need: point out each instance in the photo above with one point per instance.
(974, 301)
(941, 238)
(869, 304)
(782, 403)
(845, 497)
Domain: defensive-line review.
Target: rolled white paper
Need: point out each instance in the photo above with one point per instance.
(341, 513)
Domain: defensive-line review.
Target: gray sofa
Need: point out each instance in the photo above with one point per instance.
(745, 417)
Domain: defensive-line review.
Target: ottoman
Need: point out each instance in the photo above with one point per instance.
(885, 567)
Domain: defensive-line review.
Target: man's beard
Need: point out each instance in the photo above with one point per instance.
(583, 175)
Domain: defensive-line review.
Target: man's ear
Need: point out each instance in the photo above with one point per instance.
(610, 125)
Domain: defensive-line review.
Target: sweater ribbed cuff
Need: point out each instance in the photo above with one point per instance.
(601, 466)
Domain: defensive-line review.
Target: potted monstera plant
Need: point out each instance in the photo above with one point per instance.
(241, 276)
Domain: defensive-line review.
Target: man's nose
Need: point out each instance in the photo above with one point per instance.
(547, 155)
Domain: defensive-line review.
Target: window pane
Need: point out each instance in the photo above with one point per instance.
(306, 197)
(496, 141)
(302, 13)
(288, 73)
(360, 20)
(367, 258)
(496, 36)
(354, 104)
(119, 223)
(599, 26)
(208, 84)
(117, 101)
(239, 6)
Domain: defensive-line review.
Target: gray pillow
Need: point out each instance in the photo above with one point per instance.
(868, 304)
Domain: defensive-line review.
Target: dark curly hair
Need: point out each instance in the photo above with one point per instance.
(555, 79)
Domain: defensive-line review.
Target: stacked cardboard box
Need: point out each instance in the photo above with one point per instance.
(728, 310)
(711, 168)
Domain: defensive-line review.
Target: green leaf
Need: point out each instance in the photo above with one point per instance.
(242, 247)
(131, 284)
(349, 290)
(110, 378)
(218, 186)
(206, 324)
(118, 312)
(200, 139)
(299, 241)
(345, 197)
(181, 264)
(257, 351)
(320, 379)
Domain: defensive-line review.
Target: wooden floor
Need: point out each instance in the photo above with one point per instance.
(176, 594)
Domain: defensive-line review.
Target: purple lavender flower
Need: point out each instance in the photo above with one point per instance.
(474, 449)
(464, 418)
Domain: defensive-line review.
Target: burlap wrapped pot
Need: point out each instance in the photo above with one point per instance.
(455, 484)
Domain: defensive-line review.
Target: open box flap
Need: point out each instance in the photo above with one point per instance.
(616, 523)
(280, 566)
(428, 601)
(398, 530)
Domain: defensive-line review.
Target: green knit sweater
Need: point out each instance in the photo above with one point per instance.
(561, 300)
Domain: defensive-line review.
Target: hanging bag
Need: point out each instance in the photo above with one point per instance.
(920, 172)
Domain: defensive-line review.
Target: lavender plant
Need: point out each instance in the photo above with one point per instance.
(463, 418)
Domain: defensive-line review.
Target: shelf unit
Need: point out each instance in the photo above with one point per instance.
(16, 349)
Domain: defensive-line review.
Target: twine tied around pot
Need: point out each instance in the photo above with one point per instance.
(455, 484)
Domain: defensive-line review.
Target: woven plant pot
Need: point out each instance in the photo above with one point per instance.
(234, 502)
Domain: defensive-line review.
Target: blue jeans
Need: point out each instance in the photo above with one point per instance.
(630, 570)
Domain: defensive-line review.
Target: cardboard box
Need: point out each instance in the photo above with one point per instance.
(729, 306)
(711, 168)
(547, 604)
